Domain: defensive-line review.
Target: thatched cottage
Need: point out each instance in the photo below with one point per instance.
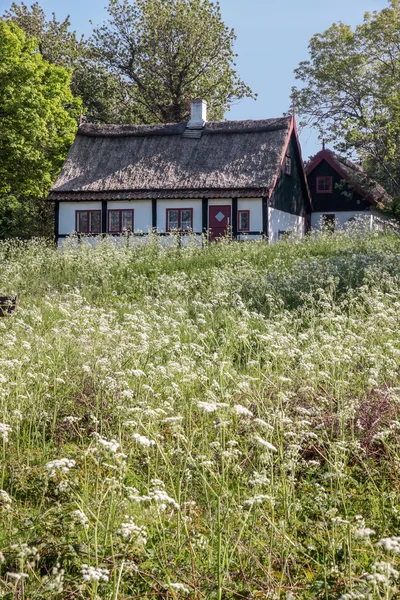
(244, 177)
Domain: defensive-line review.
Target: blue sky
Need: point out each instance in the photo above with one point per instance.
(272, 38)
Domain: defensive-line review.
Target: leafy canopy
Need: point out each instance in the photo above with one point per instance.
(351, 91)
(166, 52)
(99, 90)
(37, 121)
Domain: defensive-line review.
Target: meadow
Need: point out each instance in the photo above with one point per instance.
(201, 423)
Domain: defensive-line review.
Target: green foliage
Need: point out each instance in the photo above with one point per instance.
(99, 90)
(201, 423)
(165, 53)
(351, 91)
(37, 125)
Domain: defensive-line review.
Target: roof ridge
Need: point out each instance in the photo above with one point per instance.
(164, 129)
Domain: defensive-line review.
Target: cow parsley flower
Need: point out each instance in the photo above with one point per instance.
(129, 530)
(4, 431)
(5, 500)
(143, 440)
(78, 516)
(265, 444)
(94, 573)
(259, 499)
(61, 465)
(242, 411)
(364, 532)
(390, 544)
(210, 407)
(179, 587)
(110, 445)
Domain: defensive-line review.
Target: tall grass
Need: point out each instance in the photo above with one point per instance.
(201, 423)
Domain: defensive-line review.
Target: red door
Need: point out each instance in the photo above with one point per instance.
(219, 220)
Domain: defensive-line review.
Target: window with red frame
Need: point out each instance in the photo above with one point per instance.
(120, 220)
(179, 219)
(243, 220)
(88, 221)
(324, 184)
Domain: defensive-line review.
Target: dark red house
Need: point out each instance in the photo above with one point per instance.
(341, 191)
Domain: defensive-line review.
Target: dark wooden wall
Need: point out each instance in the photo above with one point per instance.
(290, 193)
(342, 198)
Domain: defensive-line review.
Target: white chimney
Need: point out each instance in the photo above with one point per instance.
(198, 116)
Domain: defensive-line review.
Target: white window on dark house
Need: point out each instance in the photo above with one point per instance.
(288, 165)
(120, 220)
(88, 221)
(325, 184)
(179, 219)
(243, 220)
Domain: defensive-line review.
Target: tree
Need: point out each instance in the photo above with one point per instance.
(99, 90)
(56, 43)
(38, 116)
(351, 91)
(166, 52)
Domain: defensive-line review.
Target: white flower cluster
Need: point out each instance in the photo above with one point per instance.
(94, 573)
(129, 530)
(179, 587)
(60, 465)
(242, 411)
(4, 431)
(143, 440)
(55, 583)
(390, 544)
(257, 499)
(109, 445)
(210, 407)
(78, 516)
(5, 500)
(265, 444)
(365, 532)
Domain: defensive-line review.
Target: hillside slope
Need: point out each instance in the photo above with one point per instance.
(218, 423)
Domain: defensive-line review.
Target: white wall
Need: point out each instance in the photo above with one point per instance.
(283, 221)
(341, 218)
(142, 215)
(254, 205)
(196, 205)
(222, 202)
(67, 223)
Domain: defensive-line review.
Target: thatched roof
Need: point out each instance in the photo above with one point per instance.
(352, 173)
(239, 158)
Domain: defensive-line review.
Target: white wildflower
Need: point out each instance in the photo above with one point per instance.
(5, 500)
(257, 499)
(129, 530)
(265, 444)
(143, 440)
(94, 573)
(110, 445)
(210, 407)
(263, 423)
(242, 411)
(390, 544)
(62, 465)
(17, 576)
(78, 516)
(4, 431)
(364, 533)
(179, 587)
(162, 498)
